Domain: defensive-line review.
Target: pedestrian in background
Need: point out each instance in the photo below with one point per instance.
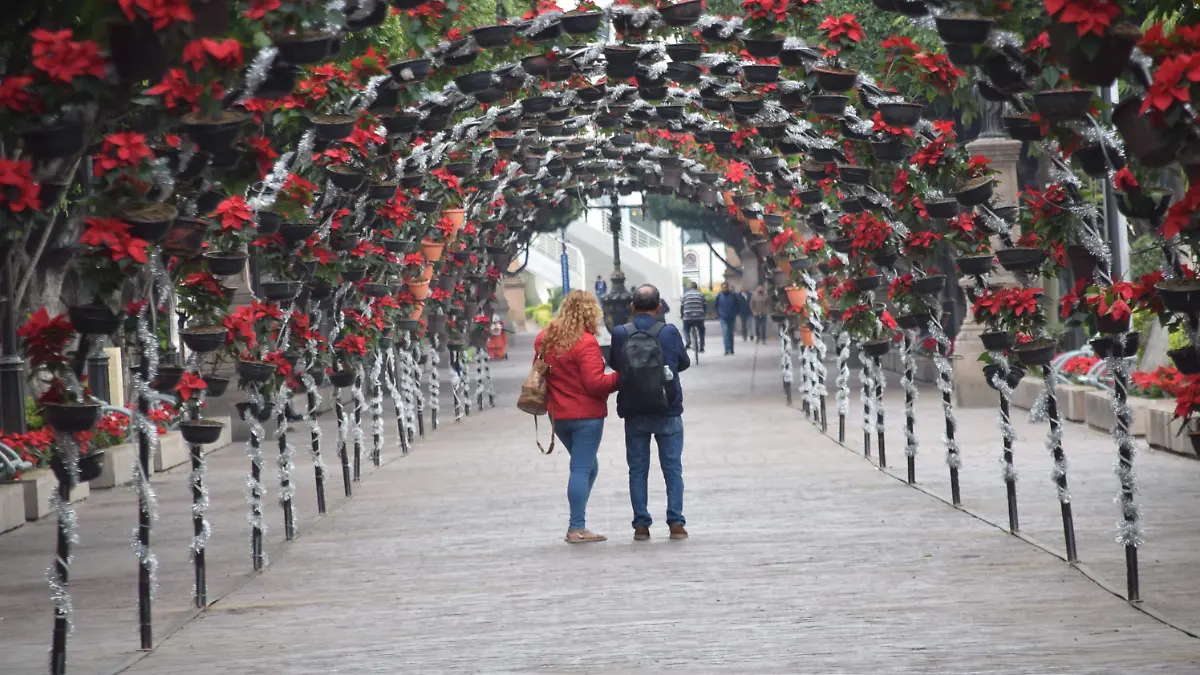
(728, 310)
(601, 287)
(760, 307)
(744, 313)
(693, 307)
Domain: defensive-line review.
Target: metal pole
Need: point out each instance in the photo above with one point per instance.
(198, 561)
(145, 617)
(910, 418)
(879, 411)
(1060, 466)
(12, 368)
(58, 648)
(340, 412)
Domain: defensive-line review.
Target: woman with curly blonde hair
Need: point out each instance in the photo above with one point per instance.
(577, 401)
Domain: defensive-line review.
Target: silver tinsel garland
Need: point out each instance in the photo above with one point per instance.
(908, 356)
(1007, 431)
(255, 489)
(360, 402)
(843, 378)
(377, 406)
(1040, 413)
(1129, 526)
(867, 385)
(785, 354)
(946, 387)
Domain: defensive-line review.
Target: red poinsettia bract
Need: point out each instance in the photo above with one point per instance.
(17, 188)
(46, 338)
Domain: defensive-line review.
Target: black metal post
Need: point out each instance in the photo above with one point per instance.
(256, 514)
(1125, 458)
(955, 489)
(910, 421)
(58, 648)
(198, 562)
(285, 482)
(12, 367)
(97, 372)
(376, 441)
(145, 616)
(1010, 481)
(357, 426)
(419, 376)
(1060, 479)
(340, 411)
(879, 412)
(397, 376)
(316, 451)
(866, 402)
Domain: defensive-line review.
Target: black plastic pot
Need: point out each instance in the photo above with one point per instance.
(214, 136)
(94, 319)
(473, 82)
(828, 105)
(681, 14)
(304, 49)
(810, 196)
(855, 175)
(1102, 67)
(835, 80)
(294, 233)
(345, 178)
(373, 290)
(877, 348)
(760, 74)
(929, 285)
(353, 274)
(944, 208)
(766, 164)
(1015, 373)
(974, 265)
(890, 151)
(1186, 360)
(962, 54)
(1081, 261)
(900, 114)
(333, 127)
(1112, 347)
(255, 372)
(746, 106)
(495, 37)
(341, 378)
(275, 291)
(1020, 128)
(964, 30)
(71, 418)
(997, 340)
(1020, 259)
(268, 222)
(1181, 296)
(685, 51)
(166, 378)
(201, 432)
(216, 386)
(1152, 146)
(89, 466)
(203, 339)
(1108, 325)
(1098, 159)
(1036, 353)
(852, 205)
(917, 322)
(1063, 105)
(975, 193)
(841, 244)
(584, 23)
(53, 142)
(137, 54)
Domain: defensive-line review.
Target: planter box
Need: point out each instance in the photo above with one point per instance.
(172, 452)
(12, 506)
(1026, 392)
(118, 466)
(1162, 429)
(1099, 415)
(39, 485)
(1072, 401)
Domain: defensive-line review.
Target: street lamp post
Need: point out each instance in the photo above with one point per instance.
(616, 303)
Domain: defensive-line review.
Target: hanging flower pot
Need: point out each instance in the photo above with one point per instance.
(1109, 325)
(1012, 378)
(835, 80)
(890, 151)
(855, 175)
(255, 372)
(828, 105)
(203, 339)
(136, 52)
(89, 465)
(841, 244)
(213, 135)
(1036, 353)
(216, 385)
(201, 432)
(302, 49)
(457, 216)
(427, 273)
(901, 114)
(1180, 295)
(274, 291)
(94, 319)
(374, 290)
(963, 29)
(681, 14)
(852, 205)
(756, 226)
(1022, 128)
(581, 23)
(419, 288)
(760, 74)
(1098, 159)
(1020, 259)
(1186, 360)
(868, 283)
(1102, 68)
(71, 418)
(917, 322)
(1081, 261)
(929, 285)
(1063, 105)
(877, 348)
(974, 193)
(746, 105)
(885, 259)
(294, 233)
(961, 54)
(1114, 347)
(974, 265)
(346, 178)
(942, 208)
(997, 340)
(56, 141)
(432, 250)
(150, 222)
(167, 377)
(797, 296)
(342, 378)
(494, 37)
(354, 273)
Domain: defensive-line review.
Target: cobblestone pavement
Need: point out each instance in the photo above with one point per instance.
(802, 559)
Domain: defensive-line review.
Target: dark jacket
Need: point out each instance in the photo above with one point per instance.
(744, 303)
(674, 354)
(728, 306)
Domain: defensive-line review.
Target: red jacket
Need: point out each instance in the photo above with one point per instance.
(577, 386)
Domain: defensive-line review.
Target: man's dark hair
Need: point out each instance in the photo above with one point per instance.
(646, 298)
(695, 286)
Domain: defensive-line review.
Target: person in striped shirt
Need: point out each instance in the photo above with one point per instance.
(693, 310)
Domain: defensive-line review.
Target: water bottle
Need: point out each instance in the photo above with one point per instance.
(668, 374)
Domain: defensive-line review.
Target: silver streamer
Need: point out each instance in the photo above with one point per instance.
(946, 387)
(785, 354)
(1129, 526)
(255, 489)
(843, 378)
(377, 405)
(256, 74)
(1007, 431)
(908, 356)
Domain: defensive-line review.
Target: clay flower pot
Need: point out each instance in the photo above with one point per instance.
(796, 296)
(432, 250)
(419, 289)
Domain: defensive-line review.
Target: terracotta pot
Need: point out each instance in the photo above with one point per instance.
(728, 197)
(456, 216)
(756, 226)
(416, 312)
(426, 273)
(796, 296)
(432, 250)
(806, 337)
(419, 289)
(785, 265)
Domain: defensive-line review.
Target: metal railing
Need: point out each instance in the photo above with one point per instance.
(550, 246)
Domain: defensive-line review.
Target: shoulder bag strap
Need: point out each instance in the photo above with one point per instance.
(552, 436)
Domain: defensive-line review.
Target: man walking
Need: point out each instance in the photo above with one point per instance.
(744, 314)
(760, 307)
(693, 307)
(727, 311)
(649, 355)
(601, 287)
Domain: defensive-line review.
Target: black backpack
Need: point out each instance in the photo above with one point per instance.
(644, 387)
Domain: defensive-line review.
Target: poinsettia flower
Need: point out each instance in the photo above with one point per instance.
(160, 12)
(939, 71)
(46, 337)
(63, 59)
(190, 384)
(260, 8)
(355, 345)
(121, 149)
(838, 27)
(1089, 16)
(17, 188)
(15, 94)
(176, 89)
(900, 45)
(225, 54)
(112, 234)
(1124, 180)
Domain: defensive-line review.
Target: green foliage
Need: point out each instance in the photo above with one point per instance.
(556, 298)
(694, 217)
(33, 418)
(542, 313)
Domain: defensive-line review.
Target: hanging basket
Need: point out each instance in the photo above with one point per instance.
(71, 418)
(877, 348)
(1036, 353)
(797, 296)
(94, 319)
(255, 372)
(204, 339)
(201, 432)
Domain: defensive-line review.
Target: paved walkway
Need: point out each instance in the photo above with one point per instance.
(802, 559)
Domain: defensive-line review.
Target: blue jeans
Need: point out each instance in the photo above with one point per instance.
(581, 438)
(668, 431)
(727, 328)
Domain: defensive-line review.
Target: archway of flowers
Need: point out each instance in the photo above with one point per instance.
(379, 166)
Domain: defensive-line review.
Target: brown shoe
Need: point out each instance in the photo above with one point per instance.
(584, 537)
(641, 533)
(677, 531)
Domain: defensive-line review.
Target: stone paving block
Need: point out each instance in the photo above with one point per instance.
(12, 506)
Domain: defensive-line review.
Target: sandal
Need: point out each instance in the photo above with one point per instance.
(583, 537)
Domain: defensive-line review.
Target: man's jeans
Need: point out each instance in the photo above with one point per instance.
(760, 328)
(746, 319)
(668, 431)
(581, 438)
(687, 332)
(727, 328)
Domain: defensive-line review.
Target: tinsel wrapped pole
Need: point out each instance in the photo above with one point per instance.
(864, 377)
(910, 400)
(393, 374)
(1008, 434)
(467, 360)
(434, 385)
(357, 396)
(880, 379)
(785, 359)
(488, 387)
(285, 480)
(255, 486)
(198, 524)
(804, 381)
(67, 534)
(377, 408)
(339, 411)
(315, 433)
(941, 361)
(1130, 529)
(145, 616)
(1059, 473)
(843, 383)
